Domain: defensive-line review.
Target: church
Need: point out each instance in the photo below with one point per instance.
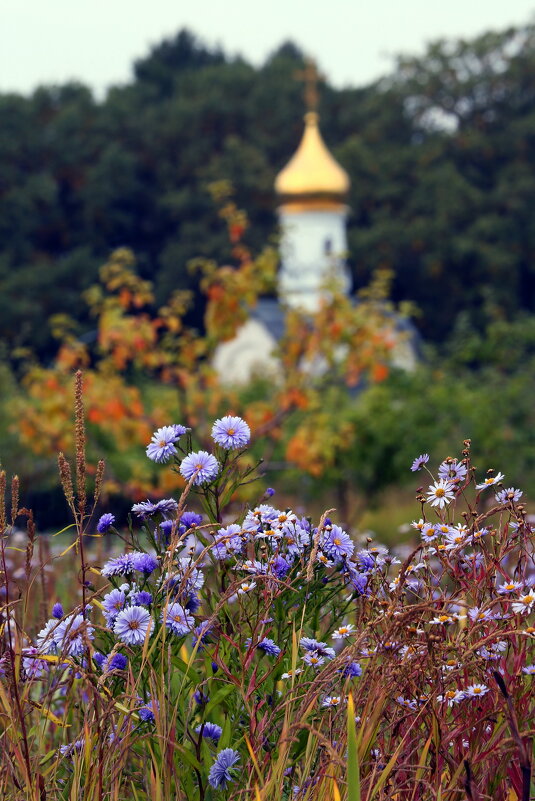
(312, 206)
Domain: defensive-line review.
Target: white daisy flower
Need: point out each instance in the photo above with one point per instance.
(476, 690)
(524, 605)
(440, 493)
(488, 482)
(343, 632)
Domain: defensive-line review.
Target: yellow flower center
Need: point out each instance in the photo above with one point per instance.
(439, 492)
(231, 431)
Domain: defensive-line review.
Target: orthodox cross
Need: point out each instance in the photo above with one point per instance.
(310, 76)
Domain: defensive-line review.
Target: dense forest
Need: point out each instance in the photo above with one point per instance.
(440, 156)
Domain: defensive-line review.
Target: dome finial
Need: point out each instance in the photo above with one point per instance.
(311, 77)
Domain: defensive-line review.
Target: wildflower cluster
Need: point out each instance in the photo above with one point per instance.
(260, 634)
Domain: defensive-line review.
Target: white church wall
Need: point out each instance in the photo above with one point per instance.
(249, 353)
(313, 250)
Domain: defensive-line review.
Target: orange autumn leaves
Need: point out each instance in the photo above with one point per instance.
(147, 368)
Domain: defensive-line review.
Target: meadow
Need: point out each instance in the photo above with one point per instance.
(205, 650)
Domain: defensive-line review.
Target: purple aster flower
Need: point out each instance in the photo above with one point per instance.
(320, 648)
(220, 771)
(177, 619)
(419, 462)
(366, 560)
(314, 659)
(510, 495)
(119, 566)
(200, 635)
(99, 659)
(280, 567)
(200, 466)
(162, 444)
(72, 634)
(358, 581)
(200, 698)
(269, 647)
(228, 542)
(232, 433)
(147, 711)
(453, 471)
(117, 662)
(34, 667)
(144, 563)
(142, 598)
(71, 748)
(352, 670)
(210, 730)
(113, 603)
(132, 625)
(105, 522)
(57, 611)
(166, 507)
(337, 544)
(270, 492)
(190, 520)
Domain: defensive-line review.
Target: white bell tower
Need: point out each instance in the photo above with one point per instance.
(311, 190)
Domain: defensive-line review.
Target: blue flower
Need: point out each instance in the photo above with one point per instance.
(71, 748)
(57, 611)
(320, 648)
(452, 470)
(269, 647)
(176, 618)
(119, 566)
(200, 635)
(132, 625)
(280, 567)
(144, 563)
(99, 659)
(105, 522)
(117, 662)
(220, 771)
(162, 447)
(71, 635)
(232, 433)
(146, 712)
(509, 495)
(200, 466)
(190, 520)
(200, 698)
(113, 603)
(336, 543)
(142, 598)
(210, 730)
(166, 507)
(228, 542)
(270, 492)
(419, 462)
(352, 670)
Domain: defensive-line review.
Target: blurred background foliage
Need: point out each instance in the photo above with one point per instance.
(440, 156)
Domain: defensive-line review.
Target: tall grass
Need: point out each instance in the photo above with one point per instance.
(320, 665)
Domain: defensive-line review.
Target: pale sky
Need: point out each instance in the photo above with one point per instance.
(97, 41)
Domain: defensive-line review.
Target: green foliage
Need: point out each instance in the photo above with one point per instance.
(439, 158)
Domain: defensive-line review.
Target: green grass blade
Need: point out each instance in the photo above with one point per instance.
(353, 769)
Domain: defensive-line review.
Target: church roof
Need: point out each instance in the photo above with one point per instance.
(312, 171)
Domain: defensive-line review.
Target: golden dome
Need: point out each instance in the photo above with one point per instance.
(312, 173)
